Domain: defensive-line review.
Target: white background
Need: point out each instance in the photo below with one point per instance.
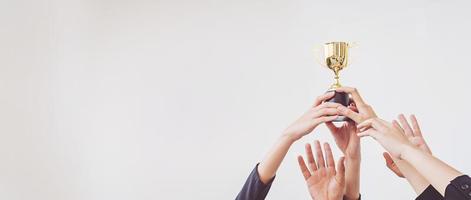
(104, 99)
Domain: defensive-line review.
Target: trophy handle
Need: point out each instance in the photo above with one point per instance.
(354, 45)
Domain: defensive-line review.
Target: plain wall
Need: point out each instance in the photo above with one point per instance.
(135, 99)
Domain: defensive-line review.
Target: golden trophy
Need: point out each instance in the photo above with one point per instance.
(335, 57)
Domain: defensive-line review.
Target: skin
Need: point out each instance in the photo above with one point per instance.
(349, 143)
(347, 140)
(401, 167)
(363, 112)
(317, 114)
(323, 180)
(395, 141)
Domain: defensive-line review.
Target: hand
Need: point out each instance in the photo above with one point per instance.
(349, 143)
(317, 114)
(323, 181)
(365, 111)
(389, 136)
(414, 135)
(346, 137)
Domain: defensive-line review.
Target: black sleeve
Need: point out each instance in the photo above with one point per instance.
(430, 193)
(254, 188)
(459, 188)
(359, 197)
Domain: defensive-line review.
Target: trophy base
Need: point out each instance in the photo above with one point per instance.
(340, 98)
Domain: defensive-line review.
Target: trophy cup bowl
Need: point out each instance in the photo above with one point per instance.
(336, 58)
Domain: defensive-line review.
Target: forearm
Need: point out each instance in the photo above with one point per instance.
(272, 161)
(438, 173)
(417, 181)
(352, 178)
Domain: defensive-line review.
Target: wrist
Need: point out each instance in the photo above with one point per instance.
(353, 162)
(352, 178)
(353, 157)
(407, 150)
(289, 138)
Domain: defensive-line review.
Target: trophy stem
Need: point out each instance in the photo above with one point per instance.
(336, 77)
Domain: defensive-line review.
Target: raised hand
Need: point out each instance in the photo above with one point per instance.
(323, 180)
(317, 114)
(349, 143)
(364, 112)
(392, 138)
(346, 138)
(414, 135)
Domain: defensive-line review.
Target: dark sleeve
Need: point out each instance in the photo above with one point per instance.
(459, 188)
(254, 188)
(359, 197)
(430, 193)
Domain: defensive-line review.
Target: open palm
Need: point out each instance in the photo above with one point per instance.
(323, 180)
(414, 135)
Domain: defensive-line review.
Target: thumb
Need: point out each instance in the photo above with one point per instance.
(390, 164)
(369, 132)
(387, 158)
(333, 129)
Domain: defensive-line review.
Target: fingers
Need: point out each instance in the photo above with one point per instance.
(388, 159)
(354, 93)
(319, 155)
(369, 132)
(329, 156)
(371, 127)
(323, 97)
(340, 176)
(326, 109)
(342, 110)
(372, 123)
(310, 158)
(353, 107)
(303, 168)
(325, 119)
(328, 105)
(325, 112)
(397, 125)
(405, 126)
(415, 126)
(391, 165)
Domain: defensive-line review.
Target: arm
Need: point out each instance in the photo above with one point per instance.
(349, 143)
(270, 164)
(347, 140)
(438, 173)
(417, 181)
(403, 168)
(352, 178)
(317, 114)
(365, 112)
(258, 183)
